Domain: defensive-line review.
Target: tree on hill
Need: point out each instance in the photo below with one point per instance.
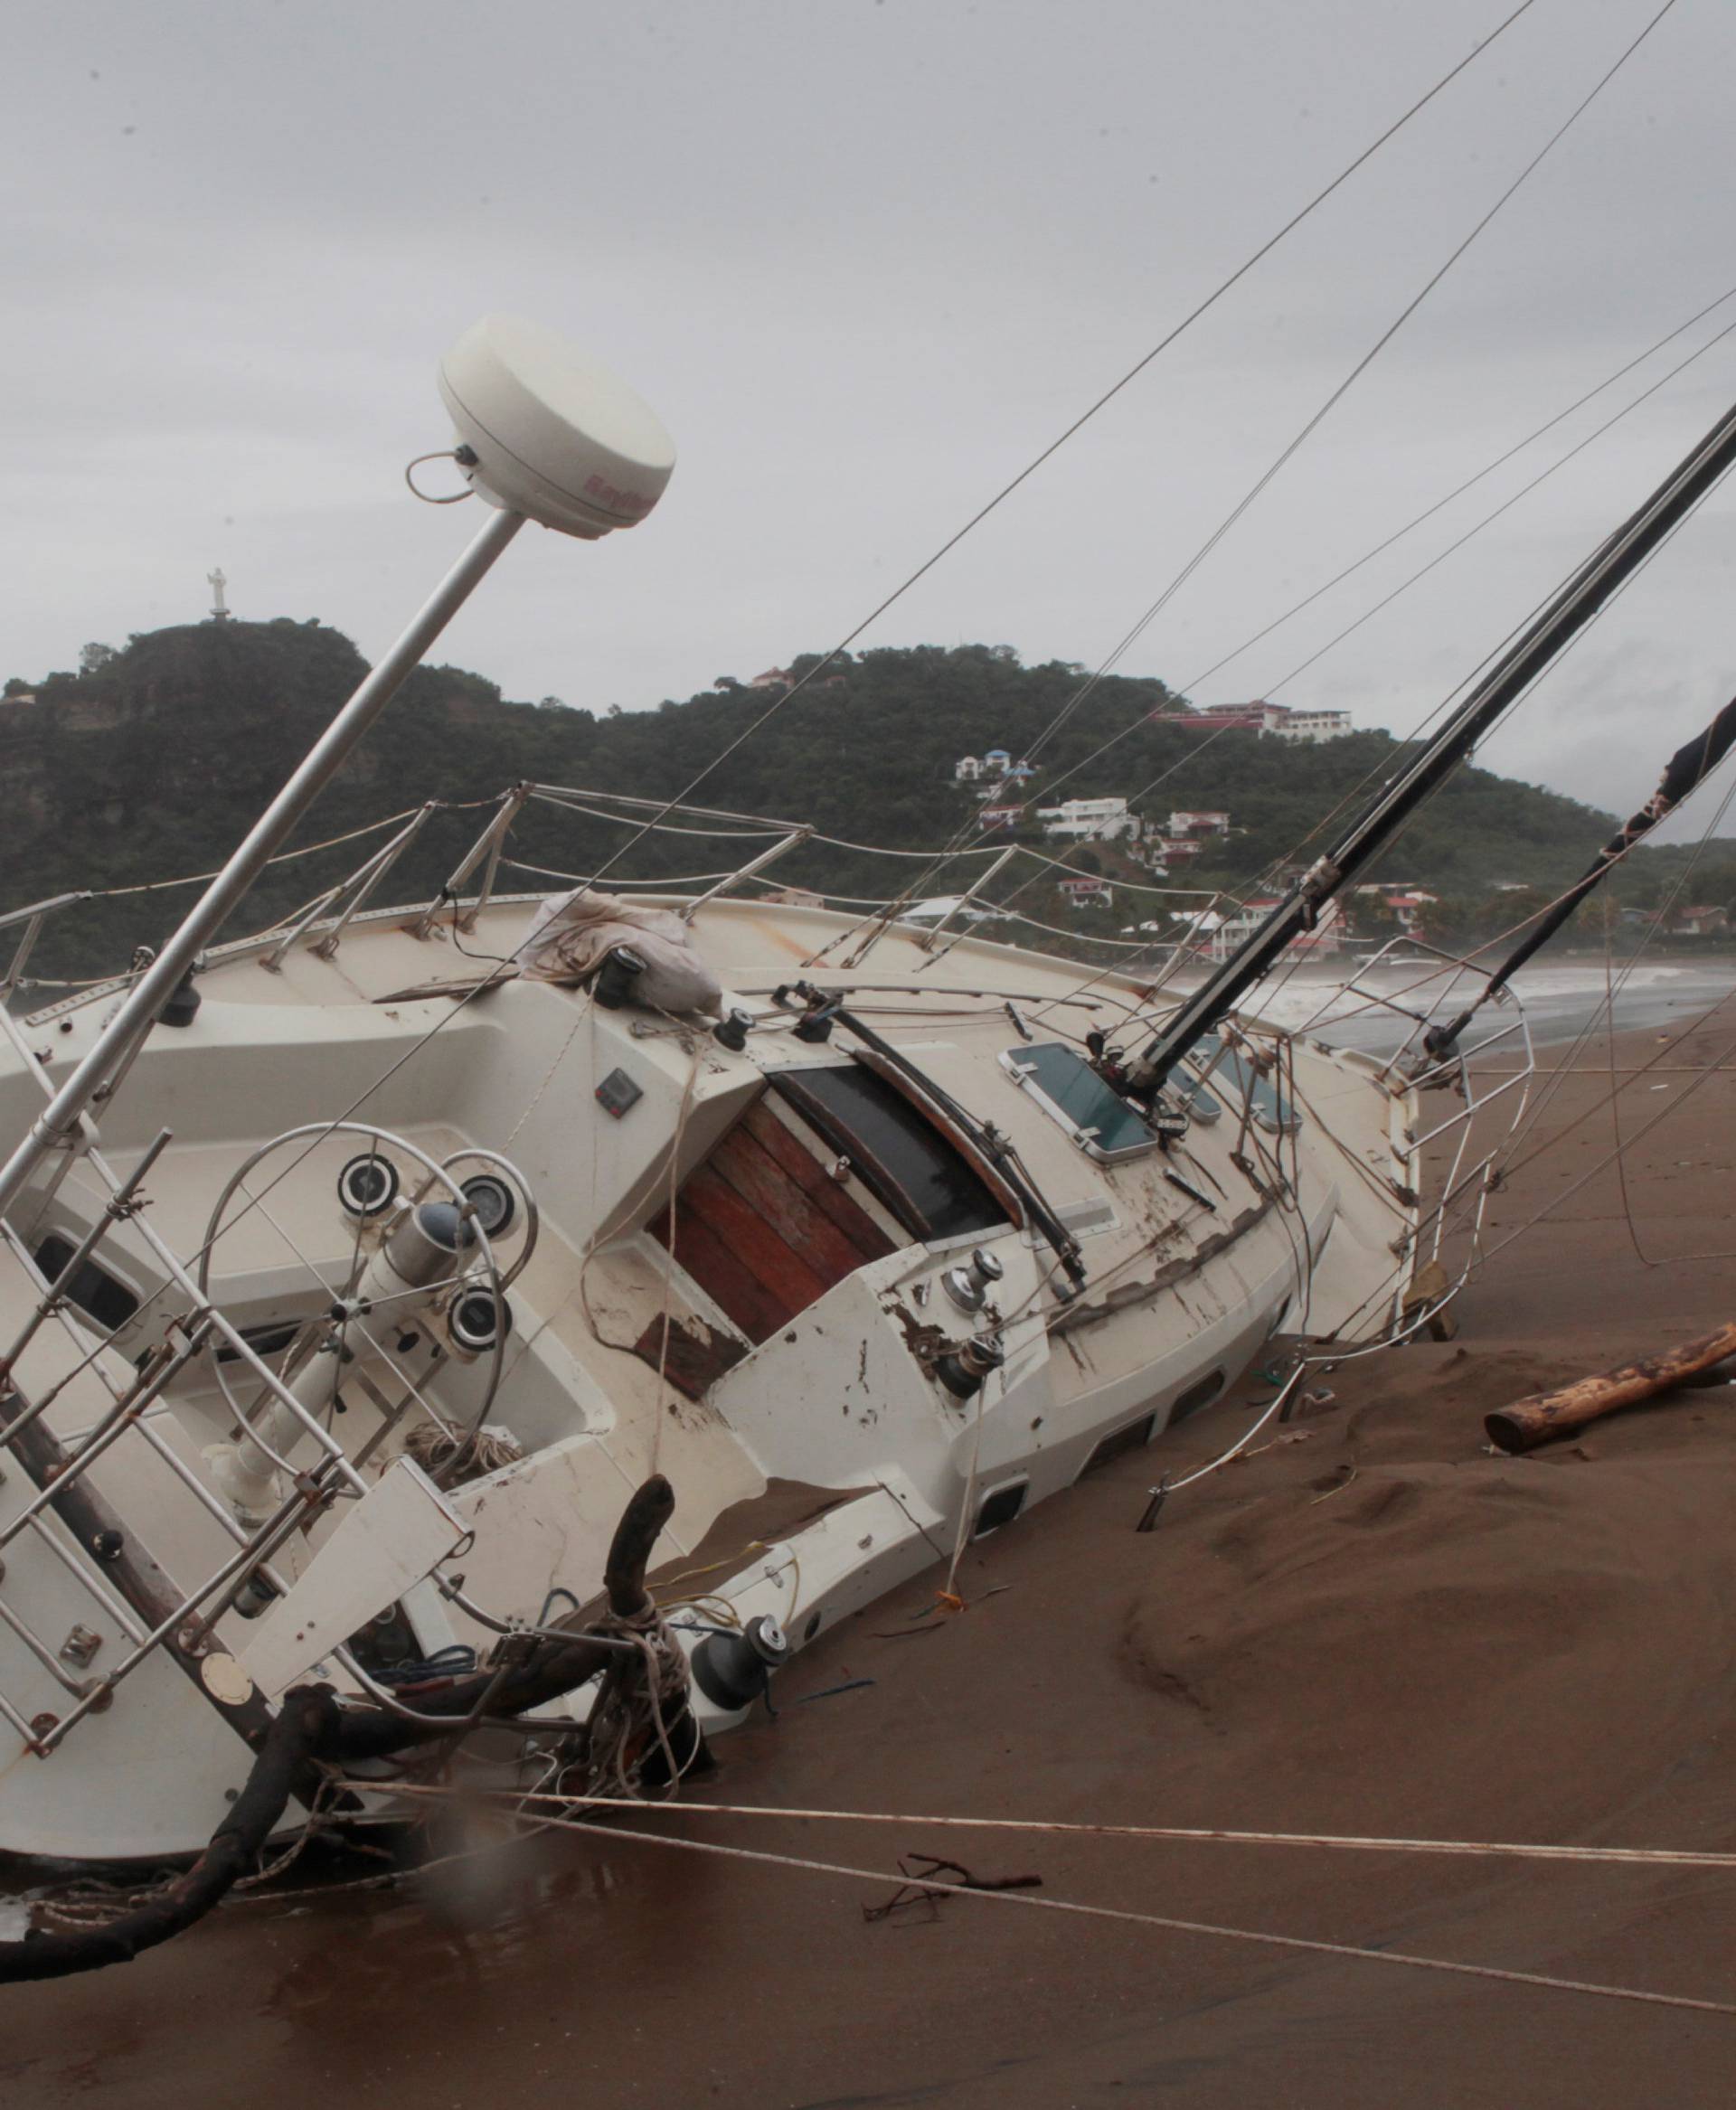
(153, 763)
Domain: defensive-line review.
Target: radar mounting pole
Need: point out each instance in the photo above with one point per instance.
(544, 435)
(59, 1118)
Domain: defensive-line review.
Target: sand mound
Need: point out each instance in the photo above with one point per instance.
(1385, 1631)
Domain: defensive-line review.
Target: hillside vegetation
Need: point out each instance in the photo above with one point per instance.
(151, 762)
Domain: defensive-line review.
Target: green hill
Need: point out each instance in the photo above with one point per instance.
(152, 761)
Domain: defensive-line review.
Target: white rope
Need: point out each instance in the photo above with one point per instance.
(681, 1112)
(680, 879)
(193, 879)
(1274, 1407)
(967, 1515)
(548, 1075)
(627, 1712)
(1164, 1922)
(1209, 1834)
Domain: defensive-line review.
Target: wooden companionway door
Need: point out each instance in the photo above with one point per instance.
(764, 1228)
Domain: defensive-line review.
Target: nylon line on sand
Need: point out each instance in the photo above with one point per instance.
(1539, 1980)
(1630, 1856)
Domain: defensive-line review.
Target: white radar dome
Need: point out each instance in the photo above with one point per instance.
(555, 436)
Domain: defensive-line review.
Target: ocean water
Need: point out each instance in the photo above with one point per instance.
(1558, 1000)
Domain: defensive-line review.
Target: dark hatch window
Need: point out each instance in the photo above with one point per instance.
(899, 1156)
(269, 1338)
(110, 1303)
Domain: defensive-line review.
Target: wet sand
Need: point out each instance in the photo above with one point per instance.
(1375, 1628)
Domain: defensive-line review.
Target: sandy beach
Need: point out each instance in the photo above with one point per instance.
(1372, 1626)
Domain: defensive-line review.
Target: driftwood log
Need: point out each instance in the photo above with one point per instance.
(311, 1727)
(1546, 1415)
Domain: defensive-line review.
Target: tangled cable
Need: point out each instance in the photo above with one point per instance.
(637, 1697)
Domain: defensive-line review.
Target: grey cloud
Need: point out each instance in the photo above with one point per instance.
(866, 260)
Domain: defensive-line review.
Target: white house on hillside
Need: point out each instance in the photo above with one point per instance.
(1273, 721)
(1307, 727)
(1081, 887)
(1089, 820)
(996, 767)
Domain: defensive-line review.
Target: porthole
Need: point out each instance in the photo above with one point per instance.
(1200, 1393)
(1000, 1507)
(1120, 1441)
(95, 1291)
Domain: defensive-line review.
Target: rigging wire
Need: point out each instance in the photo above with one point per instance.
(1267, 879)
(1607, 1010)
(1288, 969)
(1086, 416)
(1350, 380)
(1482, 1175)
(1488, 469)
(1422, 725)
(1492, 1168)
(1524, 492)
(1089, 686)
(1712, 1070)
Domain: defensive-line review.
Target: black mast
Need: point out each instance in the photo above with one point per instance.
(1686, 771)
(1608, 566)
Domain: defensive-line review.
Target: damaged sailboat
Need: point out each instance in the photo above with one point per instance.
(356, 1278)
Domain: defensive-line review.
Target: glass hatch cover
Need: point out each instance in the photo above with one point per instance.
(1244, 1084)
(1072, 1093)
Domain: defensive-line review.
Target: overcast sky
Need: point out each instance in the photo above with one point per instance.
(866, 257)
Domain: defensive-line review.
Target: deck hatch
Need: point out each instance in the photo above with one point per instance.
(1243, 1083)
(1072, 1093)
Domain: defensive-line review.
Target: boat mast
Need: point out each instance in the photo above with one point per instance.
(1614, 561)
